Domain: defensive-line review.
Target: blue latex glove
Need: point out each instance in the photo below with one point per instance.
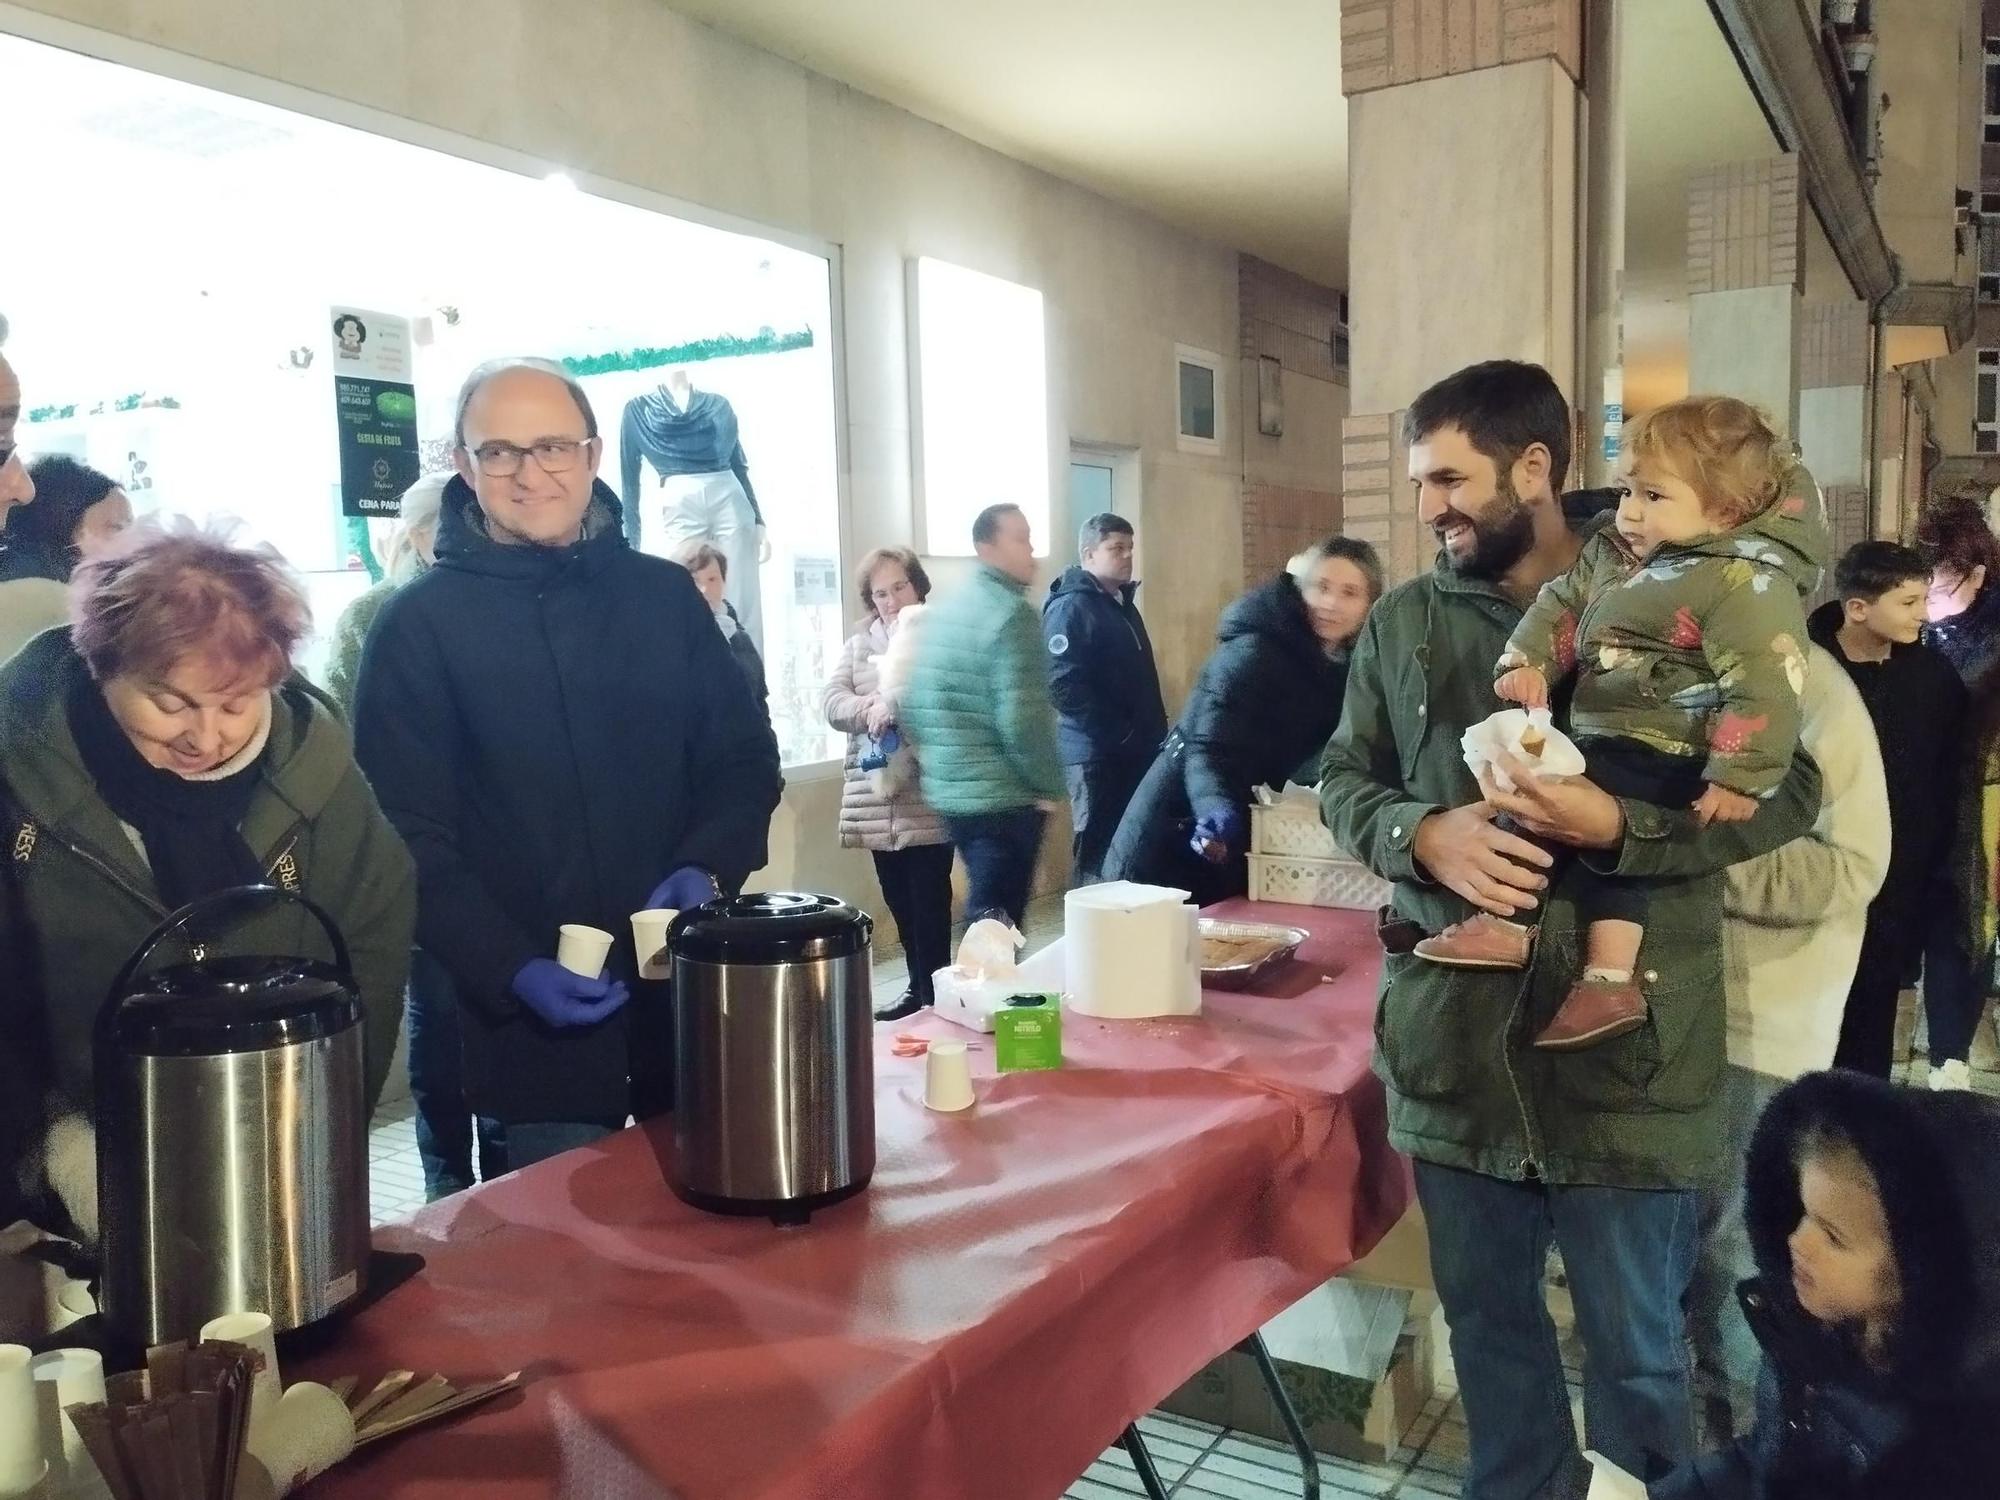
(688, 887)
(565, 999)
(1220, 830)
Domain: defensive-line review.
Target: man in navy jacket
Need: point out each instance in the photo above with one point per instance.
(557, 729)
(1106, 688)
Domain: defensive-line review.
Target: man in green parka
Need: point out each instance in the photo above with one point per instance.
(1599, 1151)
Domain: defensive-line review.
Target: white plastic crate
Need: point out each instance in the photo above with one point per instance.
(1291, 827)
(1297, 881)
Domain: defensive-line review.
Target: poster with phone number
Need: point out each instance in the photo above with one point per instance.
(375, 404)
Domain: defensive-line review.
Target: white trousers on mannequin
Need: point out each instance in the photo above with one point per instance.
(711, 508)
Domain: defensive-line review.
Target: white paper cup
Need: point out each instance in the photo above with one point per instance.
(21, 1459)
(947, 1078)
(311, 1431)
(649, 936)
(254, 1330)
(65, 1378)
(582, 950)
(73, 1304)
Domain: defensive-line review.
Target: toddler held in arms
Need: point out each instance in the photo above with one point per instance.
(1682, 634)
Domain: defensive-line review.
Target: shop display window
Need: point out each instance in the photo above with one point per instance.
(173, 321)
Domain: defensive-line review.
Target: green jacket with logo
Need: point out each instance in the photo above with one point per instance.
(978, 708)
(1466, 1087)
(80, 897)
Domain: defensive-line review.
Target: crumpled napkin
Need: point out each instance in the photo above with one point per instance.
(989, 949)
(1558, 757)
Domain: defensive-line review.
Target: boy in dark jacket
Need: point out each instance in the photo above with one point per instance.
(1106, 688)
(1876, 1229)
(1918, 706)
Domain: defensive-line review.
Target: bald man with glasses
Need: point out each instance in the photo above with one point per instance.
(557, 728)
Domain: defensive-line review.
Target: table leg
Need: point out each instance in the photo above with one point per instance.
(1149, 1477)
(1287, 1413)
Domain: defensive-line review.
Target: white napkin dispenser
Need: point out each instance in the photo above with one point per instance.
(1131, 951)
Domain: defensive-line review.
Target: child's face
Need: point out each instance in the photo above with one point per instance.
(1843, 1267)
(1896, 616)
(1951, 594)
(1656, 507)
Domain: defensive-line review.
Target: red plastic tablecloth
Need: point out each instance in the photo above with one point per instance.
(1019, 1282)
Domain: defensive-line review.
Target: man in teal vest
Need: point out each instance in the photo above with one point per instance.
(979, 713)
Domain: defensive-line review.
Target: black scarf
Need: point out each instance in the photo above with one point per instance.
(192, 830)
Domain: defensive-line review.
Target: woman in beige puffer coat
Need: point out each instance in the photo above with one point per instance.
(911, 849)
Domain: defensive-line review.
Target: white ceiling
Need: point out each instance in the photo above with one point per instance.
(1225, 119)
(1229, 121)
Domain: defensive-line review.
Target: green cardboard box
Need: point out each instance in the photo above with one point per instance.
(1027, 1034)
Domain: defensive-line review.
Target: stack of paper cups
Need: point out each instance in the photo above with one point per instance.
(948, 1077)
(65, 1378)
(21, 1462)
(253, 1330)
(649, 938)
(582, 950)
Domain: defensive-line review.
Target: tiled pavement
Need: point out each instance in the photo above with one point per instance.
(1197, 1461)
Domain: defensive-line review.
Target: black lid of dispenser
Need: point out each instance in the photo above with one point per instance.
(224, 1005)
(770, 927)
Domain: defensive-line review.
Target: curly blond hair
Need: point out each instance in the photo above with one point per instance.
(1721, 448)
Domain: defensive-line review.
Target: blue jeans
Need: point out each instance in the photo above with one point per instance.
(1726, 1353)
(445, 1126)
(1000, 850)
(1629, 1255)
(535, 1141)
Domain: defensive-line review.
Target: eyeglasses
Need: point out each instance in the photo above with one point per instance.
(553, 455)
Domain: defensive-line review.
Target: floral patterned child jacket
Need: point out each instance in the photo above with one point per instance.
(1699, 650)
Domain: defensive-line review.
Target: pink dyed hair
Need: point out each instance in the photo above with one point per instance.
(161, 595)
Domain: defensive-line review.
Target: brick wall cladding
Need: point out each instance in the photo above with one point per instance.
(1375, 493)
(1291, 319)
(1745, 224)
(1834, 345)
(1384, 43)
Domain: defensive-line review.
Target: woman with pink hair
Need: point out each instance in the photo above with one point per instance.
(157, 751)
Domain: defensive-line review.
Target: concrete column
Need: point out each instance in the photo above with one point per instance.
(1834, 345)
(1601, 398)
(1745, 268)
(1462, 126)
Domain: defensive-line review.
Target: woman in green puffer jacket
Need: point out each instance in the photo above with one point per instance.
(157, 752)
